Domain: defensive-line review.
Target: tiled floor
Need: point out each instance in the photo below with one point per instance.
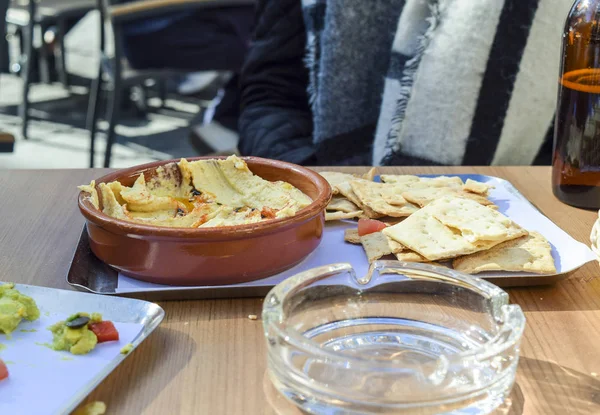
(63, 142)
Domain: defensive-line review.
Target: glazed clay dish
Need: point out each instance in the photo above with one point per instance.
(209, 255)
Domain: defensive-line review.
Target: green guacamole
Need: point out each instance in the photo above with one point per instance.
(14, 307)
(79, 340)
(127, 348)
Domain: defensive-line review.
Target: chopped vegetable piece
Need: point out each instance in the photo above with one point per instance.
(267, 213)
(75, 340)
(367, 226)
(105, 331)
(77, 322)
(96, 317)
(127, 348)
(92, 408)
(14, 307)
(3, 370)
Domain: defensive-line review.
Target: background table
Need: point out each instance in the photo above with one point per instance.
(209, 358)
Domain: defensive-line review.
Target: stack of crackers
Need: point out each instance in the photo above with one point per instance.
(438, 220)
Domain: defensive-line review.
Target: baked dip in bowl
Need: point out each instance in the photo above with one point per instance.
(205, 220)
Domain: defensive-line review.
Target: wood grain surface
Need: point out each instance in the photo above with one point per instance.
(208, 358)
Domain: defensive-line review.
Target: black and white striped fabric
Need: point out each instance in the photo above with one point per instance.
(445, 81)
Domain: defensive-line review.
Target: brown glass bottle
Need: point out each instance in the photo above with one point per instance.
(576, 160)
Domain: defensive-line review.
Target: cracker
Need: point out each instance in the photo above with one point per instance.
(482, 200)
(342, 215)
(336, 178)
(427, 236)
(370, 175)
(474, 221)
(443, 181)
(477, 187)
(422, 196)
(391, 221)
(346, 190)
(376, 245)
(369, 194)
(342, 205)
(392, 195)
(531, 253)
(351, 235)
(399, 178)
(395, 246)
(410, 256)
(425, 195)
(416, 181)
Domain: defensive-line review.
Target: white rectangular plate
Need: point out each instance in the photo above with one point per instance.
(568, 254)
(44, 381)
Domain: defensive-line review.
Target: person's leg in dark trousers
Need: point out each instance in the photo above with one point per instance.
(228, 110)
(207, 40)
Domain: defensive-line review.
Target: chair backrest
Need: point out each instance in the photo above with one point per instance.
(116, 12)
(120, 10)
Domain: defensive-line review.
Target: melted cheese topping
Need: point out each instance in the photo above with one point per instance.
(203, 193)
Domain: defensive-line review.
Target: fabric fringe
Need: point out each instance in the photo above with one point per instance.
(311, 61)
(393, 144)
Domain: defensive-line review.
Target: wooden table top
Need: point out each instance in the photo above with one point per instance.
(207, 357)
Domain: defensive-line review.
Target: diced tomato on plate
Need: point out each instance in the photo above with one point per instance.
(3, 370)
(367, 226)
(105, 331)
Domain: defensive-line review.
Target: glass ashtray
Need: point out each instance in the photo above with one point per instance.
(406, 338)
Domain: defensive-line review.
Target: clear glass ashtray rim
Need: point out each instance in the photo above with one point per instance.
(274, 318)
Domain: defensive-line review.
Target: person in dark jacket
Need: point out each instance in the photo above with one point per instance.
(436, 82)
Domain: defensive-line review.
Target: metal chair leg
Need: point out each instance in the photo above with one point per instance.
(42, 55)
(4, 65)
(162, 91)
(28, 57)
(92, 114)
(113, 118)
(61, 62)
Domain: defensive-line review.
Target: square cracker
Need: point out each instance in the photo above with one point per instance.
(369, 194)
(351, 235)
(416, 181)
(370, 175)
(399, 178)
(427, 236)
(392, 194)
(474, 186)
(422, 196)
(335, 178)
(474, 221)
(342, 204)
(342, 215)
(531, 253)
(346, 190)
(443, 181)
(410, 256)
(377, 245)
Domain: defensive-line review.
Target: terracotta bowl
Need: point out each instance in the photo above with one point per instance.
(211, 256)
